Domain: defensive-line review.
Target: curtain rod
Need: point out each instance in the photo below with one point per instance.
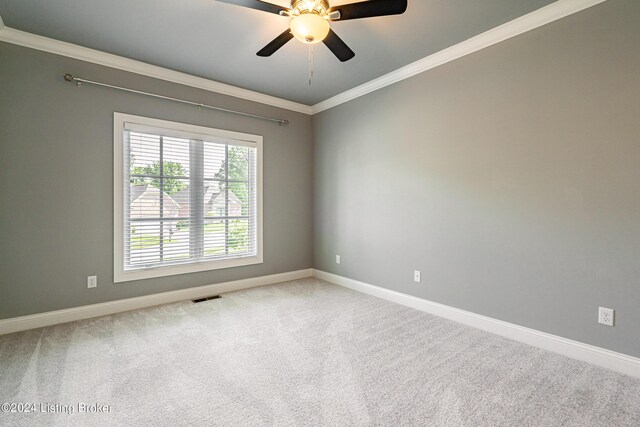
(79, 81)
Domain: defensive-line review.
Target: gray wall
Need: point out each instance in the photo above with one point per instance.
(56, 181)
(509, 177)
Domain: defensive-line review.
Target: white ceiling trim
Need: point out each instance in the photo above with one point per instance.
(530, 21)
(538, 18)
(57, 47)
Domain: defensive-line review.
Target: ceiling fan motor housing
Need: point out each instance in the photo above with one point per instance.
(310, 21)
(319, 7)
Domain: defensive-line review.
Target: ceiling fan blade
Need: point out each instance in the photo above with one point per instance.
(338, 47)
(276, 44)
(369, 9)
(258, 5)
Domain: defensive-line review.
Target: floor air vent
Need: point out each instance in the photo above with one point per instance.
(195, 301)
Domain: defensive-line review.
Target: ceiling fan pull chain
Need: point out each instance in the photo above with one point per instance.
(310, 63)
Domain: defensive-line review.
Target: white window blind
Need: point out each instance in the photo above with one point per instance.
(189, 198)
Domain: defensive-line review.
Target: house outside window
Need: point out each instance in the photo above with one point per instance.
(187, 198)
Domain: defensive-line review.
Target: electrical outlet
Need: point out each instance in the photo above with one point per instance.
(416, 276)
(337, 259)
(92, 282)
(606, 316)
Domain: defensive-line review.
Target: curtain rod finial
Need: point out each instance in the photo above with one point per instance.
(68, 77)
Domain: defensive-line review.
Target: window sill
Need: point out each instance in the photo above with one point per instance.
(120, 275)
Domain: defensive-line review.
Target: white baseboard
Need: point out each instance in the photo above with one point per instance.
(40, 320)
(608, 359)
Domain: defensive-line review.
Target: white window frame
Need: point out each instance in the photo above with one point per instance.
(196, 132)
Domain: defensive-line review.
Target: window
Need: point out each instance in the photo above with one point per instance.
(186, 198)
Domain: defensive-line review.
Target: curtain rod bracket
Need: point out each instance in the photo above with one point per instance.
(68, 77)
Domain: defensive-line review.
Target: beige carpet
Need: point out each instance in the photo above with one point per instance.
(303, 353)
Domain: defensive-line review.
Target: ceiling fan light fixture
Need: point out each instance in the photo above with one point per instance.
(309, 28)
(309, 21)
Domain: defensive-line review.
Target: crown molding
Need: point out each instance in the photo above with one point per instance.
(535, 19)
(70, 50)
(530, 21)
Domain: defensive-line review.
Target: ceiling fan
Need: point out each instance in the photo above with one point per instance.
(310, 21)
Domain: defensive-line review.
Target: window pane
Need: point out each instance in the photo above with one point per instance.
(238, 163)
(238, 199)
(144, 152)
(175, 155)
(214, 199)
(214, 238)
(144, 201)
(144, 242)
(214, 161)
(176, 197)
(238, 236)
(175, 244)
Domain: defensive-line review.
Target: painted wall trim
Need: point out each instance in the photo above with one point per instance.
(70, 50)
(33, 321)
(608, 359)
(530, 21)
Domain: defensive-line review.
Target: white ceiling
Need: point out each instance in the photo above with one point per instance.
(218, 41)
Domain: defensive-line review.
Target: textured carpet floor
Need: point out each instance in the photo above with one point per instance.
(300, 353)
